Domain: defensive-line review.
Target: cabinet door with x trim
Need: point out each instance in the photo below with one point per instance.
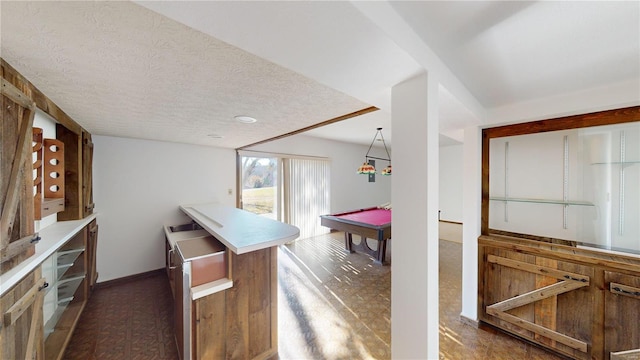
(544, 300)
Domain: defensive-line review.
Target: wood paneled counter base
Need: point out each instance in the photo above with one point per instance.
(578, 302)
(236, 317)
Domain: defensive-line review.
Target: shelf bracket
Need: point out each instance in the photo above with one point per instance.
(565, 183)
(621, 192)
(506, 181)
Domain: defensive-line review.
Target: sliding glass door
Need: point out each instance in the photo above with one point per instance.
(307, 196)
(288, 188)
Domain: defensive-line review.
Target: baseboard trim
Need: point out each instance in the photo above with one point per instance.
(130, 278)
(467, 321)
(451, 222)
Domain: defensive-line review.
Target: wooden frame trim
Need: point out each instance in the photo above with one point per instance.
(624, 290)
(608, 117)
(537, 269)
(15, 247)
(16, 95)
(19, 307)
(36, 320)
(621, 263)
(540, 330)
(534, 295)
(625, 355)
(41, 100)
(569, 282)
(23, 150)
(311, 127)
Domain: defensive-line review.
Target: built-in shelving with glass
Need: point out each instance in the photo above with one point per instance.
(560, 232)
(66, 272)
(543, 201)
(568, 180)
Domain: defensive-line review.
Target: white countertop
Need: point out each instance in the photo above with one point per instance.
(240, 230)
(52, 238)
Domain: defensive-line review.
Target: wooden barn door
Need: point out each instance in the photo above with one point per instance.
(622, 315)
(536, 297)
(16, 182)
(21, 330)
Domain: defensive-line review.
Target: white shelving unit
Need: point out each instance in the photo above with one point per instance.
(65, 272)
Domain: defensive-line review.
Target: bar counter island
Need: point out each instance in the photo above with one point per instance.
(222, 268)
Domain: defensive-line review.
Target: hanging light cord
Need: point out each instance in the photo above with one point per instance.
(383, 143)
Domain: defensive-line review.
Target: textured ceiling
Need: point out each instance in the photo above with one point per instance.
(122, 70)
(180, 70)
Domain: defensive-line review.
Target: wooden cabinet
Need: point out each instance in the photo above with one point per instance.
(578, 303)
(21, 329)
(622, 312)
(87, 174)
(78, 157)
(22, 305)
(240, 322)
(78, 148)
(539, 277)
(540, 299)
(16, 183)
(237, 317)
(201, 281)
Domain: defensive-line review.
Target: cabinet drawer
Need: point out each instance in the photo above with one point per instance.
(207, 257)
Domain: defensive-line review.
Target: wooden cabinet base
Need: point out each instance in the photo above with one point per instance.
(21, 321)
(240, 322)
(576, 302)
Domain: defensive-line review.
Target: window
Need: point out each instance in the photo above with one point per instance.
(292, 189)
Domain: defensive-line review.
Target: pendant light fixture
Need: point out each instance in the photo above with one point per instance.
(367, 168)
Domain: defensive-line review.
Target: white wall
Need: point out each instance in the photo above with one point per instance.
(451, 175)
(137, 187)
(349, 190)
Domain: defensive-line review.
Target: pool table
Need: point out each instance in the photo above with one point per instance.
(372, 223)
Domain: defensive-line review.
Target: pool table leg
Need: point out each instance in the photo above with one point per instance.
(382, 251)
(348, 242)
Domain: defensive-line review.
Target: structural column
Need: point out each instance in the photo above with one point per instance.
(414, 194)
(471, 201)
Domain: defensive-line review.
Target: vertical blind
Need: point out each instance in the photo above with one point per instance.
(306, 194)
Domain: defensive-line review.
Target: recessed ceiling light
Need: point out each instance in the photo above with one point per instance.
(245, 119)
(215, 136)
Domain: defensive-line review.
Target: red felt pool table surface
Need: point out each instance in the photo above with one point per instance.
(373, 223)
(376, 217)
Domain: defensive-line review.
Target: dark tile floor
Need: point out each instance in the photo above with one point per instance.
(331, 305)
(133, 320)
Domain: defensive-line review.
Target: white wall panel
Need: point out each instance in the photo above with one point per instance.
(138, 185)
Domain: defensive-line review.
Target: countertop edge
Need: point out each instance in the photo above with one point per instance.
(210, 225)
(204, 222)
(52, 237)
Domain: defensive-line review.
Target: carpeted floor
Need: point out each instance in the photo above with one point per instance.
(331, 305)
